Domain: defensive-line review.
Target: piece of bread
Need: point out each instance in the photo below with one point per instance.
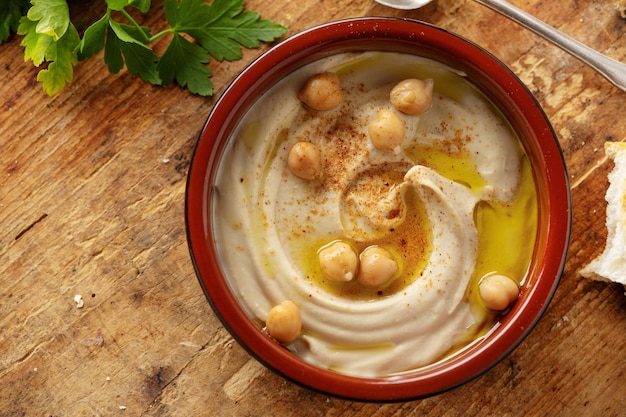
(611, 264)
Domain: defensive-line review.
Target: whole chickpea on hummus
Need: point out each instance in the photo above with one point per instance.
(375, 220)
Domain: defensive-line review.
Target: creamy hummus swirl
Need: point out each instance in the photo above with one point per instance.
(269, 222)
(416, 325)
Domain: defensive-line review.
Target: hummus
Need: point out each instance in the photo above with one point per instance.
(455, 203)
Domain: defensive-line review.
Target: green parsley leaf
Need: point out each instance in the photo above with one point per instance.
(11, 12)
(113, 54)
(125, 33)
(139, 58)
(249, 30)
(43, 42)
(52, 17)
(118, 5)
(93, 39)
(186, 62)
(221, 26)
(62, 59)
(35, 44)
(189, 13)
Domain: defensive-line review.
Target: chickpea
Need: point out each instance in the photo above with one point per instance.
(338, 261)
(498, 291)
(387, 131)
(377, 266)
(284, 322)
(305, 161)
(412, 96)
(321, 91)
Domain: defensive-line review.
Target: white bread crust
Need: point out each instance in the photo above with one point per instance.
(611, 264)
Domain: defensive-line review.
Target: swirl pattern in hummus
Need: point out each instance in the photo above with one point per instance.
(423, 203)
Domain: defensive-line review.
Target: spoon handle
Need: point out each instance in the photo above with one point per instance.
(612, 70)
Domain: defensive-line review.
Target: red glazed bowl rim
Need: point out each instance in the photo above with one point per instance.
(499, 84)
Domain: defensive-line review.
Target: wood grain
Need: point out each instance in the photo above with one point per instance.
(92, 185)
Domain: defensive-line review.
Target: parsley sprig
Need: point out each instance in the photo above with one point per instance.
(197, 31)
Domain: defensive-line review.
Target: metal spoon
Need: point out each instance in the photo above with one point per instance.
(612, 70)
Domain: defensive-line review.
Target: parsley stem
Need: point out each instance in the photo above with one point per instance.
(160, 34)
(145, 37)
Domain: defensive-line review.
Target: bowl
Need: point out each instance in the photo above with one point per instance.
(501, 87)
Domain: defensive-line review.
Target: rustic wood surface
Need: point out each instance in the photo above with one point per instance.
(92, 185)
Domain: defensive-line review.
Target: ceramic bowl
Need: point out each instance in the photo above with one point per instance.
(502, 87)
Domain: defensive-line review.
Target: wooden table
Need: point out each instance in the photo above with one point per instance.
(92, 185)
